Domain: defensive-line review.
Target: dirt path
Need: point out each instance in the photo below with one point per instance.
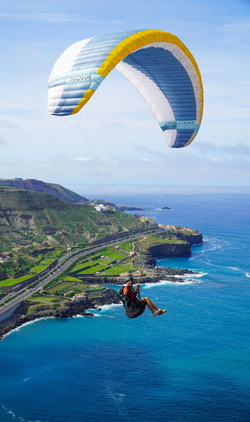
(133, 250)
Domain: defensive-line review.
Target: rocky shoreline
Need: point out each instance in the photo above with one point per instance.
(107, 297)
(69, 310)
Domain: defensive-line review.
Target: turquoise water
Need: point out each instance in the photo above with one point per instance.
(191, 364)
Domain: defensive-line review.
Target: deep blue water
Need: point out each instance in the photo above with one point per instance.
(191, 364)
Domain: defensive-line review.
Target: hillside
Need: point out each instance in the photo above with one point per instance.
(27, 216)
(52, 189)
(34, 224)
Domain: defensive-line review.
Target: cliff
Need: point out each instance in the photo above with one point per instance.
(170, 250)
(192, 236)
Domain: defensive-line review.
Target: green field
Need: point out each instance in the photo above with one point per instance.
(104, 261)
(69, 278)
(112, 253)
(44, 299)
(82, 265)
(93, 269)
(101, 262)
(118, 269)
(127, 246)
(37, 270)
(61, 287)
(39, 227)
(13, 281)
(46, 262)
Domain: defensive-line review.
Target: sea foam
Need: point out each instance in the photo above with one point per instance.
(196, 275)
(18, 418)
(167, 282)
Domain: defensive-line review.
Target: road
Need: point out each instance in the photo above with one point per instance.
(63, 263)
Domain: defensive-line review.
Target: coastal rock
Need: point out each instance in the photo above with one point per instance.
(193, 239)
(192, 236)
(170, 250)
(150, 262)
(69, 309)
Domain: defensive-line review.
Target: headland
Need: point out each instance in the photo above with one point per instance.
(62, 256)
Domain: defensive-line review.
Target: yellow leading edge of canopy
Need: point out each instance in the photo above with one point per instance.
(131, 44)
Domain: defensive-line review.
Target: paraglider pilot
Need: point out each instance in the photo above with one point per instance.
(134, 304)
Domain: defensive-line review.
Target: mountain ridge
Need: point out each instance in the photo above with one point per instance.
(52, 189)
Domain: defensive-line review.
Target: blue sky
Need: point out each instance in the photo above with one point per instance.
(115, 140)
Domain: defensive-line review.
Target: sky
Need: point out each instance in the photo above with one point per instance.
(115, 141)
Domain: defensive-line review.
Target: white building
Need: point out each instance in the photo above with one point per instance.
(104, 208)
(79, 296)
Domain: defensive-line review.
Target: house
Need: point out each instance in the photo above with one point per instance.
(100, 207)
(104, 208)
(79, 296)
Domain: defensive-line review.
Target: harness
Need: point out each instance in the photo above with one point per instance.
(131, 297)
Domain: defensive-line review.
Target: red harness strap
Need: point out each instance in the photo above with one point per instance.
(131, 292)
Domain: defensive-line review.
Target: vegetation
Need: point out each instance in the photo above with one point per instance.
(13, 281)
(127, 246)
(49, 188)
(118, 269)
(64, 286)
(57, 296)
(36, 229)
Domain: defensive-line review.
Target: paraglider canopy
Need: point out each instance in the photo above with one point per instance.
(156, 63)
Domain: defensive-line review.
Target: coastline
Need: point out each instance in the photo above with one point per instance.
(83, 308)
(61, 307)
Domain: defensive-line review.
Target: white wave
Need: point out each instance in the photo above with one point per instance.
(171, 283)
(196, 275)
(247, 275)
(195, 257)
(215, 244)
(108, 307)
(214, 265)
(18, 418)
(83, 316)
(26, 379)
(103, 308)
(234, 268)
(9, 412)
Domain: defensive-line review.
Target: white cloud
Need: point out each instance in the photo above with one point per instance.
(240, 149)
(216, 159)
(184, 168)
(81, 159)
(54, 17)
(235, 27)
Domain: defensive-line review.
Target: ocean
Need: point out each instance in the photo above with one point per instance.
(191, 364)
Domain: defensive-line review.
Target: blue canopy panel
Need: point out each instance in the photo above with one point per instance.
(156, 63)
(80, 75)
(168, 74)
